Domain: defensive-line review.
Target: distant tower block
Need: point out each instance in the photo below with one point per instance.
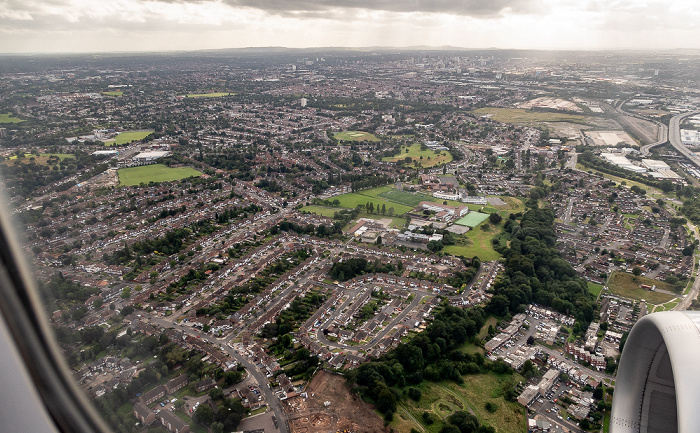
(303, 102)
(3, 132)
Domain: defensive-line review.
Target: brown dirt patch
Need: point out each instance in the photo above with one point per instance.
(345, 413)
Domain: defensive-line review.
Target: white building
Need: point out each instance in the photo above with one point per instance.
(150, 156)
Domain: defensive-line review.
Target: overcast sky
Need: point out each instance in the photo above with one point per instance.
(136, 25)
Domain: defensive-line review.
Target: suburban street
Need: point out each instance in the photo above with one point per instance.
(271, 400)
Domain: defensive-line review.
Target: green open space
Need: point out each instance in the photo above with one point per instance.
(113, 93)
(472, 219)
(627, 285)
(652, 191)
(321, 210)
(490, 321)
(154, 173)
(42, 159)
(417, 154)
(9, 118)
(595, 289)
(520, 115)
(475, 243)
(60, 156)
(443, 398)
(405, 197)
(129, 136)
(355, 136)
(209, 95)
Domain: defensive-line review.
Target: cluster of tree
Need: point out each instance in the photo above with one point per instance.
(322, 231)
(170, 243)
(228, 414)
(238, 296)
(192, 276)
(299, 310)
(58, 288)
(168, 213)
(460, 278)
(370, 181)
(23, 176)
(269, 186)
(464, 422)
(351, 268)
(432, 355)
(535, 272)
(589, 159)
(304, 366)
(236, 213)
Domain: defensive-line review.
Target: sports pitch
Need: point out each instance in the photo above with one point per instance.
(154, 173)
(421, 156)
(355, 136)
(472, 219)
(8, 118)
(129, 136)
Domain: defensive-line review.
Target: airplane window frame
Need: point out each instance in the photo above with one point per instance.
(25, 319)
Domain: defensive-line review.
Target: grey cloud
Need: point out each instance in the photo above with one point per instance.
(477, 8)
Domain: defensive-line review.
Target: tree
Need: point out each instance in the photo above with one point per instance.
(204, 414)
(637, 271)
(414, 393)
(126, 292)
(391, 211)
(495, 218)
(383, 209)
(386, 400)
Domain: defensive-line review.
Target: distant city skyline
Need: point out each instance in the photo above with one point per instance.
(131, 25)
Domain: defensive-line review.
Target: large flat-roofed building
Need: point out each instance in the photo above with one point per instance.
(150, 156)
(690, 137)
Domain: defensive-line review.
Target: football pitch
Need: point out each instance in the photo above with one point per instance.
(472, 219)
(154, 173)
(403, 197)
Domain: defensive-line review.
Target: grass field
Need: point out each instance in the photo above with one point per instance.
(113, 93)
(475, 243)
(42, 159)
(8, 118)
(321, 210)
(472, 219)
(209, 95)
(629, 286)
(443, 398)
(415, 153)
(355, 136)
(595, 289)
(405, 198)
(519, 115)
(129, 136)
(154, 173)
(60, 156)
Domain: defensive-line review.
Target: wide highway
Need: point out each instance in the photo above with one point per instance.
(674, 137)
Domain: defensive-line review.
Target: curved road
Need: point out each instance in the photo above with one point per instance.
(675, 137)
(270, 398)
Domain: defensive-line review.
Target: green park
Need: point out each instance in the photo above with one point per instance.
(420, 155)
(154, 173)
(128, 137)
(355, 136)
(9, 118)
